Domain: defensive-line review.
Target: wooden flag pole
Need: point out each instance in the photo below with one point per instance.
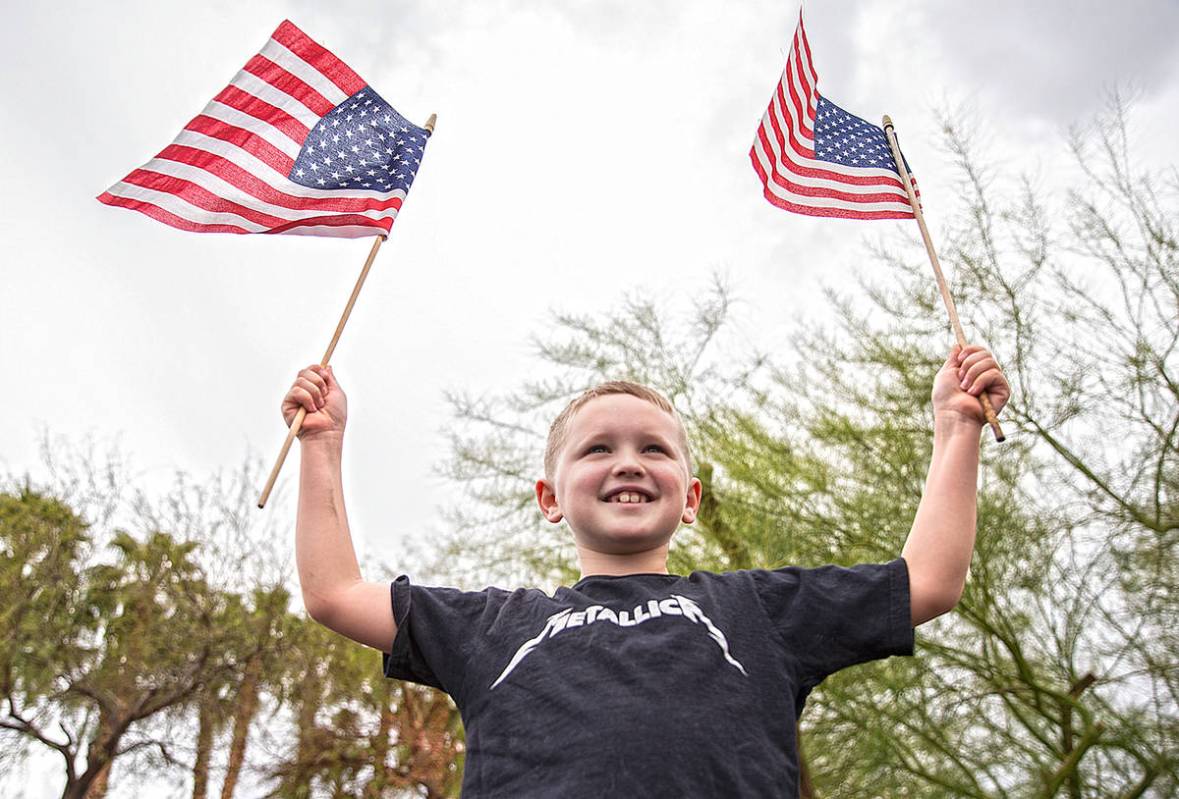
(297, 422)
(988, 409)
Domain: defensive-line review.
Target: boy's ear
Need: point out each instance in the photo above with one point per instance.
(546, 497)
(692, 507)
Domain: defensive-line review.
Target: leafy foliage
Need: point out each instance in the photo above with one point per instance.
(130, 649)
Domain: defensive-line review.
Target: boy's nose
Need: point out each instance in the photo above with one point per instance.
(628, 465)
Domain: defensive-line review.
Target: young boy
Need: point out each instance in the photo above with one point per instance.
(633, 681)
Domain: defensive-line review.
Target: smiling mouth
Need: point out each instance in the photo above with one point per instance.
(628, 498)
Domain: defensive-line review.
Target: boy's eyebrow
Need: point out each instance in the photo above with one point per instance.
(584, 440)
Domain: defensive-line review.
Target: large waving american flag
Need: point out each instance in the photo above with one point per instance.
(815, 158)
(297, 143)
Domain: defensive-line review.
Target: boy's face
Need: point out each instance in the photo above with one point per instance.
(621, 479)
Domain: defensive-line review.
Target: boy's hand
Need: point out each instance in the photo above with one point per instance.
(316, 390)
(966, 374)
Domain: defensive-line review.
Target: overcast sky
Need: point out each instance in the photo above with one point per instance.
(584, 150)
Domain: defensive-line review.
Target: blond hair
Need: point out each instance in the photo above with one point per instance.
(559, 430)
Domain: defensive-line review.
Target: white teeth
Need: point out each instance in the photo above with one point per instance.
(630, 497)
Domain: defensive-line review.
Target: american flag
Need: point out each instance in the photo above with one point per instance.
(815, 158)
(297, 143)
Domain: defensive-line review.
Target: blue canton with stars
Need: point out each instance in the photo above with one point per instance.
(361, 144)
(845, 139)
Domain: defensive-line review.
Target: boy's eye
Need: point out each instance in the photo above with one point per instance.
(596, 448)
(656, 447)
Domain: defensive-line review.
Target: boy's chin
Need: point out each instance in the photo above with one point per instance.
(623, 541)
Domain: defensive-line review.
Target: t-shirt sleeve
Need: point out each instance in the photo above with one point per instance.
(832, 617)
(437, 633)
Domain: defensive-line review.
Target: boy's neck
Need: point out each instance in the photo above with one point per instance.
(652, 561)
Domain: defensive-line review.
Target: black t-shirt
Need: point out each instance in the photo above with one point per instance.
(649, 684)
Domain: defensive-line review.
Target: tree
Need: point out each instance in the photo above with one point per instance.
(96, 648)
(262, 631)
(42, 541)
(358, 733)
(1057, 671)
(152, 636)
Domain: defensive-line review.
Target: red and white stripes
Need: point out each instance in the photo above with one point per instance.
(226, 172)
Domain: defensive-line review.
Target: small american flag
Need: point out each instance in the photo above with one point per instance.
(297, 143)
(815, 158)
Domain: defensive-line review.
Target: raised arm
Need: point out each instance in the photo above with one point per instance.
(941, 541)
(334, 593)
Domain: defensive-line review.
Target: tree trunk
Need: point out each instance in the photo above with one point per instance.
(1066, 730)
(98, 785)
(92, 783)
(380, 744)
(310, 695)
(243, 716)
(206, 729)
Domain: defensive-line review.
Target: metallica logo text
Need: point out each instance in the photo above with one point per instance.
(673, 606)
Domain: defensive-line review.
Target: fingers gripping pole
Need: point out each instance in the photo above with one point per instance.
(301, 414)
(906, 181)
